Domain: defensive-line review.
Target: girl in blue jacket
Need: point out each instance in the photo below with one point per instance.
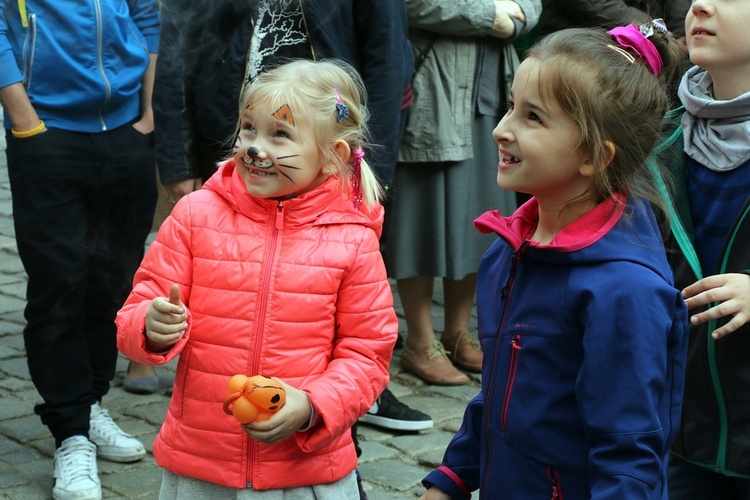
(583, 332)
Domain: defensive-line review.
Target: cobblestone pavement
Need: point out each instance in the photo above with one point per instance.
(392, 464)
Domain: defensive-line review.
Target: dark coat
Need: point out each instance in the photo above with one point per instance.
(561, 14)
(201, 69)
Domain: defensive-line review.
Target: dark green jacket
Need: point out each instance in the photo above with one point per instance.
(715, 430)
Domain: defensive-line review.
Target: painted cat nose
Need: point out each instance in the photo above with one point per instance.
(253, 152)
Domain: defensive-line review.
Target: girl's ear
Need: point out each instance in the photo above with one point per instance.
(588, 169)
(342, 150)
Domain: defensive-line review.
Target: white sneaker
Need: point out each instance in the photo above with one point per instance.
(112, 443)
(76, 476)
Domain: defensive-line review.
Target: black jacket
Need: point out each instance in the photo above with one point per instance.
(201, 68)
(715, 430)
(561, 14)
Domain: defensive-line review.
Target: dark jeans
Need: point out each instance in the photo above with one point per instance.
(82, 208)
(692, 482)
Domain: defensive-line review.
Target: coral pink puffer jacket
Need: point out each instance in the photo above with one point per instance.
(295, 290)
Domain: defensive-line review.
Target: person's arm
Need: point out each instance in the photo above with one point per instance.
(172, 121)
(458, 475)
(16, 103)
(366, 331)
(605, 12)
(13, 97)
(629, 384)
(145, 124)
(448, 17)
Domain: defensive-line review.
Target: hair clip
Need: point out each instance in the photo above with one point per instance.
(647, 29)
(340, 106)
(623, 52)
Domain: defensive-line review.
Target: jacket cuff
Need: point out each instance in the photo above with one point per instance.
(449, 482)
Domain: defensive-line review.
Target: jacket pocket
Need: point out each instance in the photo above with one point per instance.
(515, 345)
(29, 46)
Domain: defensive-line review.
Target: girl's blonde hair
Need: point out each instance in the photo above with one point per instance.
(312, 86)
(611, 97)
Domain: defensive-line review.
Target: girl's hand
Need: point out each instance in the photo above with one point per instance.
(435, 493)
(166, 319)
(505, 11)
(294, 415)
(731, 291)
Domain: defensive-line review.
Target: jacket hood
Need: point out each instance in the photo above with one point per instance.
(616, 229)
(326, 204)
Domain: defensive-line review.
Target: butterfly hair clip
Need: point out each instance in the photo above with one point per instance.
(342, 108)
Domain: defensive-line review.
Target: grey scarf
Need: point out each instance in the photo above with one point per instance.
(716, 133)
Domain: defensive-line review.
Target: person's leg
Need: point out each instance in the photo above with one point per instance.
(423, 355)
(121, 210)
(463, 349)
(48, 176)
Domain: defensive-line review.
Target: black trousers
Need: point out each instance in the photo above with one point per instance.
(82, 208)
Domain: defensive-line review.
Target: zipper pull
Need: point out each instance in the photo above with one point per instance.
(279, 222)
(514, 342)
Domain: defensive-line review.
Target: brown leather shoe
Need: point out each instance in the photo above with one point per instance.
(432, 366)
(465, 351)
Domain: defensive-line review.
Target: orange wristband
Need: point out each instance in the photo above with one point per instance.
(29, 133)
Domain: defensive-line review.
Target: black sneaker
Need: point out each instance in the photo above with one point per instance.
(390, 413)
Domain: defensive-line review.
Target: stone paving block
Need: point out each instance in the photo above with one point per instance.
(8, 327)
(16, 367)
(10, 304)
(24, 429)
(433, 458)
(8, 446)
(133, 482)
(7, 353)
(10, 479)
(372, 452)
(13, 339)
(392, 475)
(152, 412)
(22, 456)
(37, 468)
(417, 445)
(29, 491)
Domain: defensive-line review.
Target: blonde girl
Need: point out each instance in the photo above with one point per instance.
(272, 268)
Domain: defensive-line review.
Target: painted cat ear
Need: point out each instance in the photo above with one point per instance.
(284, 113)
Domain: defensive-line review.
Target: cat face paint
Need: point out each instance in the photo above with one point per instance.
(276, 154)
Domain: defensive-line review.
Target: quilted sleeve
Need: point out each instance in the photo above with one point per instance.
(366, 331)
(168, 261)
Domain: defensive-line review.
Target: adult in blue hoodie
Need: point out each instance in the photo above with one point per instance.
(75, 84)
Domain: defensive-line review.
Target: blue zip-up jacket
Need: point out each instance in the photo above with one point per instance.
(81, 61)
(584, 344)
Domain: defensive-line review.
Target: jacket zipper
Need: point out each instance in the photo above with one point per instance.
(504, 295)
(100, 63)
(553, 475)
(713, 368)
(278, 225)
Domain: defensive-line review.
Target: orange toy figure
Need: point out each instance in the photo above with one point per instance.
(254, 399)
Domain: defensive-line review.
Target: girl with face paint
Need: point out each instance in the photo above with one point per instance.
(272, 268)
